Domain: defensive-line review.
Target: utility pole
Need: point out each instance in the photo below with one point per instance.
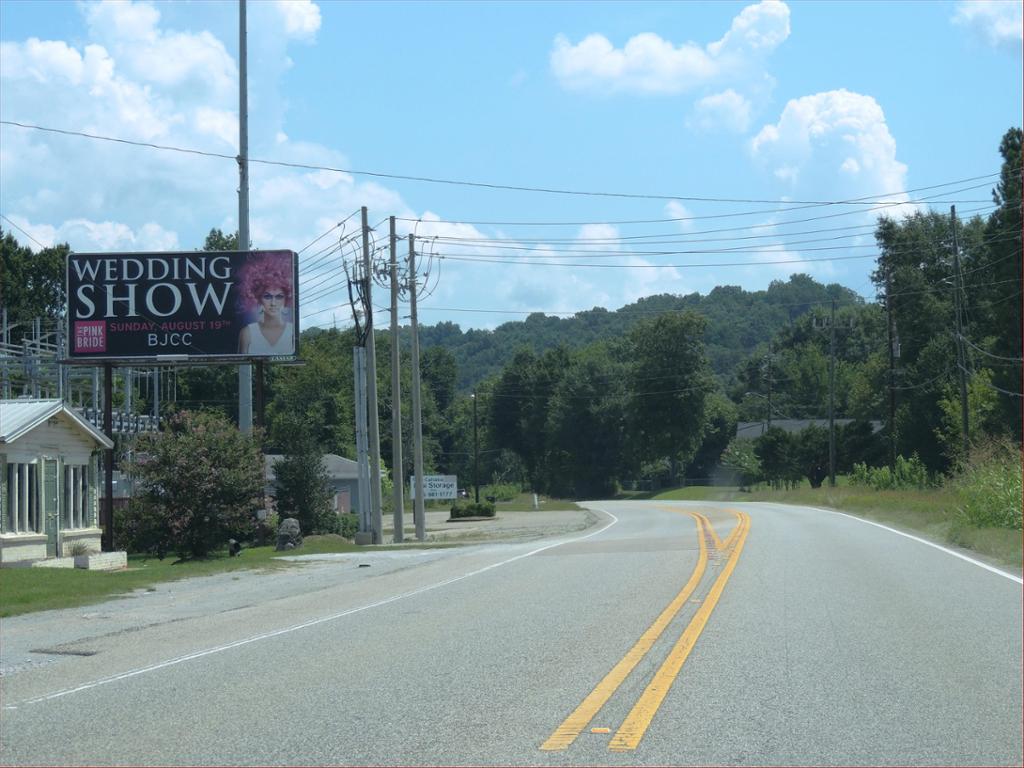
(362, 441)
(418, 511)
(476, 455)
(832, 399)
(892, 368)
(770, 384)
(396, 395)
(244, 371)
(371, 390)
(961, 356)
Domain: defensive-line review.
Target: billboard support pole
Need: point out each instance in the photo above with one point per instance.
(244, 371)
(107, 522)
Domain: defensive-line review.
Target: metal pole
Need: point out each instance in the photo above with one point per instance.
(244, 371)
(832, 400)
(362, 448)
(156, 396)
(371, 390)
(961, 353)
(396, 397)
(107, 521)
(476, 455)
(770, 385)
(36, 340)
(417, 415)
(6, 341)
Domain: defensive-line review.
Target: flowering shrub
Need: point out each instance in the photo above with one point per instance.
(201, 481)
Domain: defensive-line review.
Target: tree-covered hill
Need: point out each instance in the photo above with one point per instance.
(737, 321)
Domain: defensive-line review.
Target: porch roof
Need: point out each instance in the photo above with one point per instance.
(18, 417)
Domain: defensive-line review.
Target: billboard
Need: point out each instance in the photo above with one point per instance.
(199, 304)
(435, 487)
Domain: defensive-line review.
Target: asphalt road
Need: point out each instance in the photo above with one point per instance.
(667, 633)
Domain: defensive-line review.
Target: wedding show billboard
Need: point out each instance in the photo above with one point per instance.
(197, 304)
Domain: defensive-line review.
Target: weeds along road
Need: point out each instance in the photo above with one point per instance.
(668, 633)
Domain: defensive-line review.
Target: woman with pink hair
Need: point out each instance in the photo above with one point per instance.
(266, 290)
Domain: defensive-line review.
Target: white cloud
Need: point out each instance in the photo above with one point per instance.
(835, 145)
(1000, 23)
(219, 123)
(196, 63)
(728, 111)
(676, 210)
(301, 18)
(647, 63)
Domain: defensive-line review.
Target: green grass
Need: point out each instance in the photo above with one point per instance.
(23, 590)
(931, 512)
(524, 503)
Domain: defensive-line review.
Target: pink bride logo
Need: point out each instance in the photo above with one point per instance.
(90, 336)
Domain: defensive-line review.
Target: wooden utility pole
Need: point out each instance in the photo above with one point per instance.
(832, 399)
(892, 369)
(961, 353)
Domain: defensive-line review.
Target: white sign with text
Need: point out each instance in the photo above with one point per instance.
(436, 487)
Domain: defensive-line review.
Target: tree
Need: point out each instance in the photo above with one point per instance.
(670, 379)
(201, 482)
(302, 486)
(776, 449)
(32, 284)
(811, 446)
(218, 241)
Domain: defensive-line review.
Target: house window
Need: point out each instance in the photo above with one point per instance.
(23, 513)
(76, 486)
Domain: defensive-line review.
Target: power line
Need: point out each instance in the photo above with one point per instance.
(22, 231)
(478, 184)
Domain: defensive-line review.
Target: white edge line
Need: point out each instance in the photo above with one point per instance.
(939, 547)
(304, 625)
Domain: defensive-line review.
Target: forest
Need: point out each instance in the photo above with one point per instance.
(651, 394)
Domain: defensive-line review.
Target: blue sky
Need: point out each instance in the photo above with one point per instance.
(674, 102)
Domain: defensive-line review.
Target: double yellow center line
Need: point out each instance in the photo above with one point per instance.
(639, 719)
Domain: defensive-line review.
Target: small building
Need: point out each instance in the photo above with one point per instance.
(49, 470)
(342, 476)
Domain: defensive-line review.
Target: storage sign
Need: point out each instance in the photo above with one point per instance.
(436, 487)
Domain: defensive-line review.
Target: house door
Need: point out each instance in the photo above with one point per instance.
(51, 509)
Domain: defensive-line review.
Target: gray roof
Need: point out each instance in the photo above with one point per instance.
(758, 428)
(18, 417)
(338, 468)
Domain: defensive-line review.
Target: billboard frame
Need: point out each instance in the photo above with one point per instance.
(172, 358)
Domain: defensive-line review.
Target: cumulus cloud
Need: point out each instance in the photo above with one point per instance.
(1000, 23)
(726, 111)
(837, 141)
(301, 18)
(198, 62)
(648, 63)
(683, 215)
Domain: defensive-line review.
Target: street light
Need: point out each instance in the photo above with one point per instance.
(476, 455)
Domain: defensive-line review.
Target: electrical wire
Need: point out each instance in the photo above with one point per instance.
(479, 184)
(29, 236)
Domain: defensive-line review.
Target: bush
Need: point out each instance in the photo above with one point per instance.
(301, 486)
(501, 491)
(348, 525)
(989, 490)
(201, 482)
(909, 473)
(483, 509)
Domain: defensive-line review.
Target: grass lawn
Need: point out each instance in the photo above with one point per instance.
(524, 503)
(931, 512)
(23, 590)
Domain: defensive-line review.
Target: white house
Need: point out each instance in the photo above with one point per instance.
(49, 480)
